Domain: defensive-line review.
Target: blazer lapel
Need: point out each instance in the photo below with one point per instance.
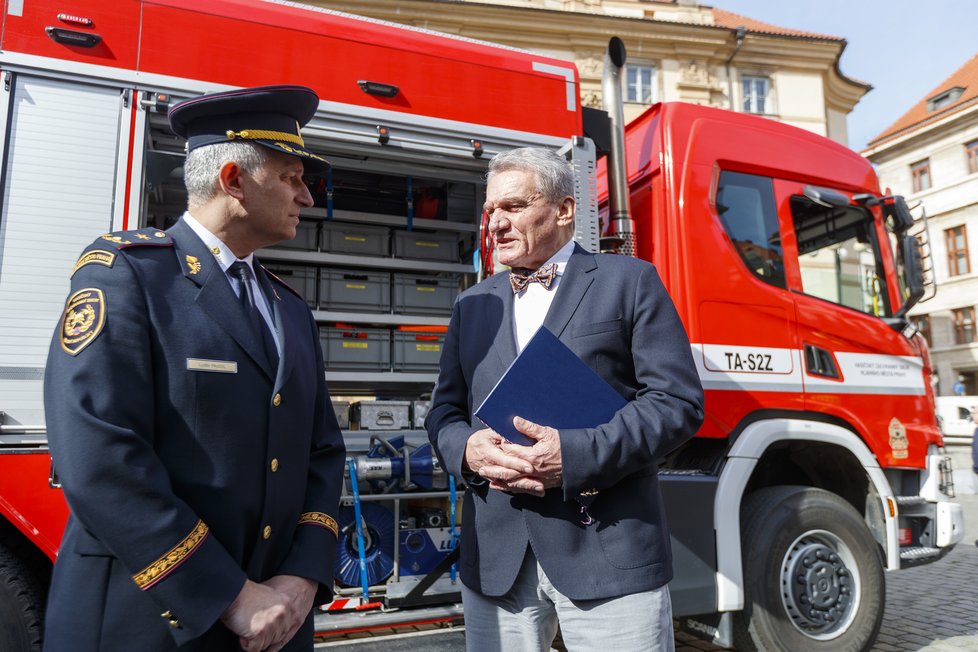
(574, 283)
(216, 297)
(283, 324)
(505, 340)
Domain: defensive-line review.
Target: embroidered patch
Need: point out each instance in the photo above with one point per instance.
(193, 264)
(320, 519)
(83, 319)
(98, 256)
(166, 564)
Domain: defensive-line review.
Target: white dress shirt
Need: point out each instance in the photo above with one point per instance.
(225, 258)
(530, 307)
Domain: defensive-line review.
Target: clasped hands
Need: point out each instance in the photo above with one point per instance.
(266, 616)
(515, 468)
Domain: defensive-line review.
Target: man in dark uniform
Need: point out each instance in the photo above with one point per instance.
(188, 413)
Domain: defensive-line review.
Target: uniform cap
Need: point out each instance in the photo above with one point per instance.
(266, 115)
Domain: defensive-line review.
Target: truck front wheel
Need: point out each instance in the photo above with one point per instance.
(21, 605)
(813, 575)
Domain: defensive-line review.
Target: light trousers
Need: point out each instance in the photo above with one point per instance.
(526, 618)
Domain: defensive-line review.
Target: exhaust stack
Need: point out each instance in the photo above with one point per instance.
(622, 227)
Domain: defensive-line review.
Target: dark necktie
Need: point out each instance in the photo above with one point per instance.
(545, 276)
(243, 273)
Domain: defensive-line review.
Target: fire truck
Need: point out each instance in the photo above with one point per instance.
(820, 465)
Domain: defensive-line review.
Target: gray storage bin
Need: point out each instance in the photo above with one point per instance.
(419, 410)
(418, 245)
(306, 237)
(417, 351)
(356, 290)
(461, 203)
(381, 415)
(301, 278)
(350, 238)
(416, 294)
(355, 349)
(342, 410)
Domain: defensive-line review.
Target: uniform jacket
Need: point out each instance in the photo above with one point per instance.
(189, 463)
(614, 313)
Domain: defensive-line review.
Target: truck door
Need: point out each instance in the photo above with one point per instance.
(856, 366)
(745, 310)
(59, 187)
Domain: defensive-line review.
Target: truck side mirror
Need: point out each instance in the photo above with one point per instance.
(913, 272)
(898, 215)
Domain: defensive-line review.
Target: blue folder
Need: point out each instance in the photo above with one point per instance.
(549, 385)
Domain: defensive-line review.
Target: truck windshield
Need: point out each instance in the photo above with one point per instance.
(838, 255)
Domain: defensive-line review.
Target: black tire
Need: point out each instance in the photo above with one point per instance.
(813, 574)
(21, 605)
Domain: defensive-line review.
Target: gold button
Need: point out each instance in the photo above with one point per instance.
(166, 614)
(274, 465)
(267, 532)
(174, 623)
(277, 401)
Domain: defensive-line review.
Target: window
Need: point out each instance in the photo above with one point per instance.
(946, 98)
(920, 171)
(745, 204)
(755, 94)
(838, 255)
(639, 81)
(922, 324)
(964, 325)
(956, 240)
(971, 153)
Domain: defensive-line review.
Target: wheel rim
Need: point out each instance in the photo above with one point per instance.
(820, 585)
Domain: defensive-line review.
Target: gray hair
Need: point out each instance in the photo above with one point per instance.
(554, 173)
(201, 168)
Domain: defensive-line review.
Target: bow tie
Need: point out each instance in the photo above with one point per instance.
(544, 276)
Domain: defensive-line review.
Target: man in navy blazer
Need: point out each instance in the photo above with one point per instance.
(187, 409)
(572, 528)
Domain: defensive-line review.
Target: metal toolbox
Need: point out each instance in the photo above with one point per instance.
(417, 350)
(355, 349)
(418, 245)
(301, 278)
(342, 410)
(417, 294)
(306, 237)
(381, 415)
(350, 238)
(354, 289)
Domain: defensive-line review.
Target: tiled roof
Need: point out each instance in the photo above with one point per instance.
(730, 20)
(965, 77)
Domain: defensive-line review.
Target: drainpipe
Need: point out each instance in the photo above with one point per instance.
(739, 34)
(622, 228)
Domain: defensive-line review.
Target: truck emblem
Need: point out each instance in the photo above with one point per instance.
(83, 319)
(898, 439)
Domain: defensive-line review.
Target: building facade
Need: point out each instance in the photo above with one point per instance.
(678, 50)
(930, 155)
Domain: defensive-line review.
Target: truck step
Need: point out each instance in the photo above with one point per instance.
(908, 501)
(919, 553)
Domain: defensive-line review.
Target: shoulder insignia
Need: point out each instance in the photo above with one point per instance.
(320, 519)
(283, 283)
(193, 264)
(83, 319)
(95, 256)
(139, 237)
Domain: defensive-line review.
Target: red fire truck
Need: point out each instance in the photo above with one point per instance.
(820, 464)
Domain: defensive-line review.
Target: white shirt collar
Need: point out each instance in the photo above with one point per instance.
(222, 253)
(562, 256)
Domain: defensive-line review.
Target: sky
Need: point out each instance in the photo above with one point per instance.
(904, 48)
